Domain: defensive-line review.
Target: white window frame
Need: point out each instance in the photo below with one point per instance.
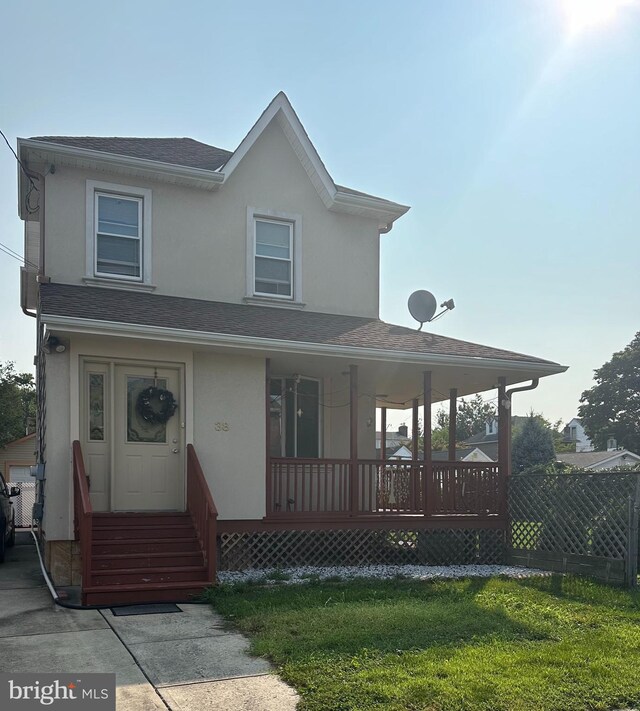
(95, 188)
(295, 223)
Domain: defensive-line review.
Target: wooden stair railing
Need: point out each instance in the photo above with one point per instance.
(83, 513)
(203, 511)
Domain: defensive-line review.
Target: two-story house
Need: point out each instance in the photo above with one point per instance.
(575, 434)
(210, 361)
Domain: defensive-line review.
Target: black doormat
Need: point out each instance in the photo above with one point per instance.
(151, 609)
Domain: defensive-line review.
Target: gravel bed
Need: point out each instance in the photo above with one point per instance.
(305, 574)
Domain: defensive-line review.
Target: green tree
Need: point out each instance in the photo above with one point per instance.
(555, 428)
(532, 445)
(611, 408)
(17, 403)
(471, 417)
(439, 439)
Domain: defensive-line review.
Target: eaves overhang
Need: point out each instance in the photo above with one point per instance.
(520, 370)
(31, 151)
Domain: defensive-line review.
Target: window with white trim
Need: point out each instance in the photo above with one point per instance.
(118, 229)
(273, 255)
(118, 244)
(274, 258)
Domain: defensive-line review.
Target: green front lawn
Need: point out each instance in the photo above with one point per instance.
(534, 644)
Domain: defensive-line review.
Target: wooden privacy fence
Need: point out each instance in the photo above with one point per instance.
(584, 523)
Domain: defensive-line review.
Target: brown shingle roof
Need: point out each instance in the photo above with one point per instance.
(177, 151)
(130, 307)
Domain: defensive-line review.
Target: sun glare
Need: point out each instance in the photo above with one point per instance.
(584, 15)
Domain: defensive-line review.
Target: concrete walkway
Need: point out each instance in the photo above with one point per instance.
(179, 661)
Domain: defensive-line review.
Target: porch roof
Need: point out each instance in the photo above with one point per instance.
(240, 325)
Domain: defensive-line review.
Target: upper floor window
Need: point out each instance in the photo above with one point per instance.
(118, 233)
(274, 258)
(118, 236)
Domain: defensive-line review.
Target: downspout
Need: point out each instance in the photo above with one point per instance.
(508, 393)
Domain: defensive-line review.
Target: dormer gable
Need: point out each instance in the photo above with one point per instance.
(184, 161)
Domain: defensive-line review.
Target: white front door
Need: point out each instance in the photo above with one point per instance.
(147, 472)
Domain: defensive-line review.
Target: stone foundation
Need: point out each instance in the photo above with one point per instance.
(62, 560)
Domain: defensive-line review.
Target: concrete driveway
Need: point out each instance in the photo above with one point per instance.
(182, 660)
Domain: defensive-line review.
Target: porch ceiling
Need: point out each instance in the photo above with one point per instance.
(395, 385)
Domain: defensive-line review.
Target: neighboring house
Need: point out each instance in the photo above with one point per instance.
(612, 459)
(574, 433)
(209, 337)
(17, 457)
(401, 452)
(16, 460)
(465, 454)
(487, 441)
(393, 440)
(469, 454)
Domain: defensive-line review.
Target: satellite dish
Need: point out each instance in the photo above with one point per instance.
(422, 305)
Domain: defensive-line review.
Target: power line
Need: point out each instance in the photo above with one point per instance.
(15, 155)
(9, 252)
(18, 255)
(32, 186)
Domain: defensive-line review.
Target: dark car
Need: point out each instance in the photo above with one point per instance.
(7, 516)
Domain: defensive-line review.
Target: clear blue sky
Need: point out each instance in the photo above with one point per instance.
(516, 144)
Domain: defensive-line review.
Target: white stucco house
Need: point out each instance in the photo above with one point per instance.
(211, 358)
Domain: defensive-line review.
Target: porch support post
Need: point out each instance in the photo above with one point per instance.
(267, 459)
(453, 411)
(504, 445)
(427, 484)
(504, 417)
(415, 431)
(353, 412)
(383, 434)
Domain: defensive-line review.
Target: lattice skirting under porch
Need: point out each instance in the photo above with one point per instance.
(283, 549)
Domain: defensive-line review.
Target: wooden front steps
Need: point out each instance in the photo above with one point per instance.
(144, 557)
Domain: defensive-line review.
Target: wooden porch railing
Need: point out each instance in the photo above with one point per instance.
(309, 486)
(203, 511)
(83, 513)
(300, 487)
(390, 487)
(465, 488)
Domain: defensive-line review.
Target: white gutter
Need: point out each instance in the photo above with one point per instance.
(379, 205)
(110, 328)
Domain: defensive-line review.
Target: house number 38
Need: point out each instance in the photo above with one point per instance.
(221, 426)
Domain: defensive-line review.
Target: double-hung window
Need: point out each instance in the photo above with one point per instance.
(118, 236)
(274, 263)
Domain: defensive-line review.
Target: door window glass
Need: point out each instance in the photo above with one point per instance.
(96, 407)
(138, 429)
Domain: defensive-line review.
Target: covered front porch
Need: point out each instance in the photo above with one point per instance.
(362, 487)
